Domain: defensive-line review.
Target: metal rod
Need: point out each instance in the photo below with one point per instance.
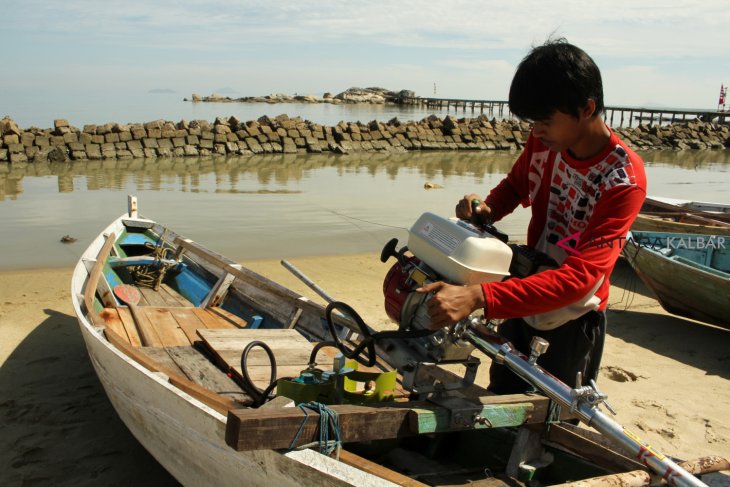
(290, 267)
(559, 392)
(346, 333)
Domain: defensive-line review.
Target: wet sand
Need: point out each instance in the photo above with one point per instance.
(668, 377)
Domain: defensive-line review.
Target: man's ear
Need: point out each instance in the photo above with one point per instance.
(589, 109)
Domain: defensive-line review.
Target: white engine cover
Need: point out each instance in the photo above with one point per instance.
(458, 251)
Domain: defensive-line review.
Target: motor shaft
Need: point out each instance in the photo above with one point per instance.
(533, 374)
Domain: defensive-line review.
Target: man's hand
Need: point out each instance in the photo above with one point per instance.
(472, 209)
(451, 304)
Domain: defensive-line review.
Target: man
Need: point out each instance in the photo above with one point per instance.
(585, 187)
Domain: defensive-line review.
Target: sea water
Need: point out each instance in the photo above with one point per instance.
(281, 206)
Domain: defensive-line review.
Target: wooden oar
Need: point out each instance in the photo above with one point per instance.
(131, 296)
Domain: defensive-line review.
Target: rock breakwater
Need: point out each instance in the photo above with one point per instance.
(282, 134)
(375, 96)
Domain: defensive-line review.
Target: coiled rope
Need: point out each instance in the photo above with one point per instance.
(152, 275)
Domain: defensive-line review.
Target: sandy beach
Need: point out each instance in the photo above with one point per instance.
(668, 377)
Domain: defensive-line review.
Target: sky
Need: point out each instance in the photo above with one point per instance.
(665, 53)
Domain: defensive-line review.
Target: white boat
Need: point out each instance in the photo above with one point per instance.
(660, 214)
(170, 367)
(706, 208)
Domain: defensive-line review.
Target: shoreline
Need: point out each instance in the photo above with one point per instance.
(666, 376)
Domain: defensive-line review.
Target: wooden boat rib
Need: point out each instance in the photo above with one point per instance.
(180, 392)
(689, 273)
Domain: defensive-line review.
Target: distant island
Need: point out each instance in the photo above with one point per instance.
(352, 95)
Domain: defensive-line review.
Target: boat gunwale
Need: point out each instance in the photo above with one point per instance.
(680, 206)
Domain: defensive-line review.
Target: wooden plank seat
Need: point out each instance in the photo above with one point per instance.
(171, 326)
(165, 296)
(291, 351)
(190, 363)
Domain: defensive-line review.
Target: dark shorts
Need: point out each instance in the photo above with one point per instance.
(576, 346)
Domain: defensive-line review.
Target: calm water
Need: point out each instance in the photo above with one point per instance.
(280, 206)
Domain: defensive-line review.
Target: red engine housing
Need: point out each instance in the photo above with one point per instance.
(397, 286)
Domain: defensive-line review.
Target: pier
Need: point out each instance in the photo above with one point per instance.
(492, 107)
(614, 116)
(659, 116)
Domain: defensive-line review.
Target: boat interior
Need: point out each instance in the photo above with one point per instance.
(708, 253)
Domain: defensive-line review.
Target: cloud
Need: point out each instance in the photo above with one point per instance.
(326, 42)
(618, 28)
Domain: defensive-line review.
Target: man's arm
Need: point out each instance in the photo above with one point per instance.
(593, 259)
(551, 289)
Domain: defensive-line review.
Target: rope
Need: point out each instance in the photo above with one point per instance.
(364, 221)
(629, 285)
(152, 275)
(329, 422)
(553, 416)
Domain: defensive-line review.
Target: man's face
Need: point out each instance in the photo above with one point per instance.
(559, 132)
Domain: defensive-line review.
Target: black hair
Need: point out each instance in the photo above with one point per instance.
(556, 76)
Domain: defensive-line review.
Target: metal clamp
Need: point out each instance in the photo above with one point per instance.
(463, 413)
(589, 394)
(416, 378)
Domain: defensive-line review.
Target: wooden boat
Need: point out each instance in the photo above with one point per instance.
(171, 366)
(689, 273)
(720, 211)
(683, 216)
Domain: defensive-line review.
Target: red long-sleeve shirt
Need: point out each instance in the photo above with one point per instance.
(581, 213)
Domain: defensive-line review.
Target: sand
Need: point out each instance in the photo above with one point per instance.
(668, 377)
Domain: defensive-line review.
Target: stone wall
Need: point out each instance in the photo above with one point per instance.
(282, 134)
(678, 136)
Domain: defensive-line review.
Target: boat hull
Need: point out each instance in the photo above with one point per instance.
(682, 289)
(183, 424)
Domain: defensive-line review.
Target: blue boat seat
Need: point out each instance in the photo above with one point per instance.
(136, 239)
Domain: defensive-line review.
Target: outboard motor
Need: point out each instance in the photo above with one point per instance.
(449, 250)
(456, 252)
